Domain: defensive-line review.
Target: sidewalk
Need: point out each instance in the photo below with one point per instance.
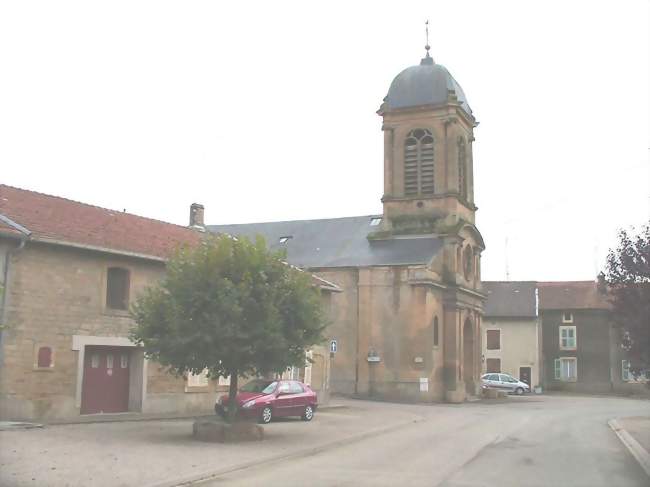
(639, 428)
(634, 433)
(162, 453)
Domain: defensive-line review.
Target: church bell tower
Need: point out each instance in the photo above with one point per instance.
(428, 133)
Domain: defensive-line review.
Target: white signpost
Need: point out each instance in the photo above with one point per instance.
(334, 346)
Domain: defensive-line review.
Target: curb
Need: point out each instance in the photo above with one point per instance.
(212, 474)
(131, 417)
(17, 425)
(635, 448)
(126, 419)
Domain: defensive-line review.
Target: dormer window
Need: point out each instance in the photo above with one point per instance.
(418, 163)
(117, 288)
(375, 221)
(285, 239)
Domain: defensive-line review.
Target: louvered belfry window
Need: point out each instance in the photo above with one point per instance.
(418, 163)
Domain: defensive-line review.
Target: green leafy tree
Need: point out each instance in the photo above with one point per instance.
(627, 278)
(232, 307)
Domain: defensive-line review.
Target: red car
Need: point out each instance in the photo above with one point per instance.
(267, 399)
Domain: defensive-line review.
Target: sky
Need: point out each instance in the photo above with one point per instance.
(265, 111)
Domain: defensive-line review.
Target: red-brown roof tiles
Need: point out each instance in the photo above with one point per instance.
(571, 295)
(55, 219)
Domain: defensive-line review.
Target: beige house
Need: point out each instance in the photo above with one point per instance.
(407, 324)
(69, 272)
(512, 330)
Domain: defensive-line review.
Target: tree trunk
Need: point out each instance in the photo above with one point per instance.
(232, 397)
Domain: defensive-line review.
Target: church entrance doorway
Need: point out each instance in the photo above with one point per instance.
(468, 356)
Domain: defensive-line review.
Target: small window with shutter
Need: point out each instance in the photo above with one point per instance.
(44, 358)
(493, 365)
(493, 339)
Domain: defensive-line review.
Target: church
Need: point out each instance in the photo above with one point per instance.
(407, 322)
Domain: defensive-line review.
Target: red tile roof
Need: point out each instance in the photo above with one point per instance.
(571, 295)
(59, 220)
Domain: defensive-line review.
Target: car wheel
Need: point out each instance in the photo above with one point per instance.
(519, 391)
(266, 415)
(308, 415)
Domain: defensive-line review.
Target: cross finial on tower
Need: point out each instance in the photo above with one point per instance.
(427, 46)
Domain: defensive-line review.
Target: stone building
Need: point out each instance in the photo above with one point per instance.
(407, 323)
(512, 332)
(69, 271)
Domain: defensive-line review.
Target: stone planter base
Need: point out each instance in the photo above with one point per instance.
(494, 394)
(221, 432)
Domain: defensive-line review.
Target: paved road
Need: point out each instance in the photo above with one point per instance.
(531, 441)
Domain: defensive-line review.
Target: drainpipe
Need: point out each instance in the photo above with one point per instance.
(24, 236)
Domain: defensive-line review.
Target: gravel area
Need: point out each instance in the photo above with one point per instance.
(145, 453)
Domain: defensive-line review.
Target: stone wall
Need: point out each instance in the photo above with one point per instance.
(55, 293)
(380, 314)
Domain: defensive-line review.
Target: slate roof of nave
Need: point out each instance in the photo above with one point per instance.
(337, 242)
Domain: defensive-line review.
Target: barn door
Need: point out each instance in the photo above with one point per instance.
(105, 386)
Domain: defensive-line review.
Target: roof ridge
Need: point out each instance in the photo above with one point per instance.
(567, 282)
(93, 206)
(511, 282)
(296, 221)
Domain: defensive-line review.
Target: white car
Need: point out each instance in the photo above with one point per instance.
(504, 382)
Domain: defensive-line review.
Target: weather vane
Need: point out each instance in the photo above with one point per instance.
(427, 46)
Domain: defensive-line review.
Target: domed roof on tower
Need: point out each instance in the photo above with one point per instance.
(425, 84)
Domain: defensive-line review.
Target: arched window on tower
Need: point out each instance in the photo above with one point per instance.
(418, 163)
(436, 332)
(462, 168)
(468, 264)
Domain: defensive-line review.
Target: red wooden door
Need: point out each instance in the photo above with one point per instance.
(105, 386)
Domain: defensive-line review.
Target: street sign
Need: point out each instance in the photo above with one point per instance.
(334, 346)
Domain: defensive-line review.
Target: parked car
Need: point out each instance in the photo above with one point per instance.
(267, 399)
(505, 382)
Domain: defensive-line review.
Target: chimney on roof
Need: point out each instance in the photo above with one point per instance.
(601, 284)
(196, 216)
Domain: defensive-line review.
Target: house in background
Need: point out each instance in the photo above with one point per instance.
(511, 330)
(577, 336)
(69, 272)
(581, 348)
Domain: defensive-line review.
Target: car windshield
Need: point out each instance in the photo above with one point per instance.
(263, 386)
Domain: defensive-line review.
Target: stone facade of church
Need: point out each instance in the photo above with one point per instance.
(407, 323)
